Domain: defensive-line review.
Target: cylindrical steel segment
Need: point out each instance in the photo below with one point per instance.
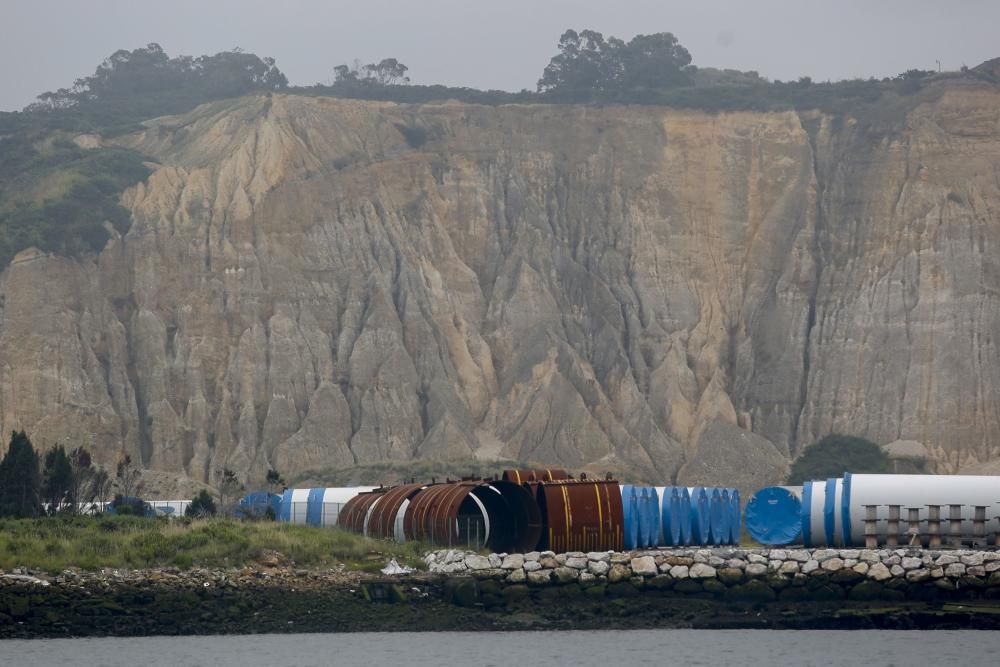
(500, 515)
(382, 522)
(941, 491)
(581, 515)
(353, 514)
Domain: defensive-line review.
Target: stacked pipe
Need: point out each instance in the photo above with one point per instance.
(677, 516)
(879, 510)
(525, 510)
(522, 511)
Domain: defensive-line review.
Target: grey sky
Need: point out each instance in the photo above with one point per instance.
(492, 44)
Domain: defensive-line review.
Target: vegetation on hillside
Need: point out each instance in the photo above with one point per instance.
(60, 197)
(648, 69)
(55, 543)
(836, 454)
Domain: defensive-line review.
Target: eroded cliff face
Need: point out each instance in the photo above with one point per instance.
(318, 282)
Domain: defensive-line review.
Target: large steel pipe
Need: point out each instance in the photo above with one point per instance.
(701, 520)
(581, 515)
(918, 491)
(774, 516)
(500, 515)
(354, 513)
(718, 513)
(735, 522)
(381, 521)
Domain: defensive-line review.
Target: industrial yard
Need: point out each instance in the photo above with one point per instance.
(530, 549)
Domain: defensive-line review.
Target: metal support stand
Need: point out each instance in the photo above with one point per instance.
(892, 527)
(913, 526)
(979, 525)
(934, 526)
(955, 525)
(996, 535)
(871, 526)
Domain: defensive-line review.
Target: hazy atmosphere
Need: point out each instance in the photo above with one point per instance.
(501, 45)
(644, 318)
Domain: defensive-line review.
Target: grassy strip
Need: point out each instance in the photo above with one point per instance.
(55, 543)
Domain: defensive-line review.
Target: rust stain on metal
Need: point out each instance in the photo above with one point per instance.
(433, 513)
(581, 515)
(496, 514)
(352, 515)
(382, 523)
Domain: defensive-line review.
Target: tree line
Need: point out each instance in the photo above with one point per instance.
(60, 479)
(32, 484)
(81, 214)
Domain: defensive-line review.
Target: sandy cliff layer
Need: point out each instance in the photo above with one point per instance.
(319, 282)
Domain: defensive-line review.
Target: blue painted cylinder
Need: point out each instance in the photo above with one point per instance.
(649, 528)
(774, 516)
(642, 517)
(718, 512)
(701, 520)
(684, 515)
(806, 513)
(630, 517)
(285, 506)
(735, 523)
(314, 507)
(668, 517)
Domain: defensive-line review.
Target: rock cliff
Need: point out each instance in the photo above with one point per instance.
(313, 282)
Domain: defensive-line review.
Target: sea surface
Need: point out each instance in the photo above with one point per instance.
(716, 648)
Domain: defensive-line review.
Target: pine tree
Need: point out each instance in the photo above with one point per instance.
(57, 478)
(20, 480)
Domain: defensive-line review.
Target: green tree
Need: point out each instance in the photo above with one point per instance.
(275, 482)
(587, 65)
(836, 454)
(57, 478)
(20, 479)
(653, 62)
(201, 506)
(81, 489)
(127, 475)
(230, 489)
(590, 67)
(386, 72)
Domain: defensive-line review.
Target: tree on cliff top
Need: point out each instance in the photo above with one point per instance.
(836, 454)
(149, 70)
(386, 72)
(20, 480)
(589, 67)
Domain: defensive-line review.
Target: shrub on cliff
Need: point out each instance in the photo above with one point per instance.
(836, 454)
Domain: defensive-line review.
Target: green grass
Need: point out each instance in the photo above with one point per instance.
(89, 543)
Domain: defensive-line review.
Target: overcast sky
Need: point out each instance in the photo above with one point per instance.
(492, 44)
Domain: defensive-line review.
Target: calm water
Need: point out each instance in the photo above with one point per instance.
(537, 649)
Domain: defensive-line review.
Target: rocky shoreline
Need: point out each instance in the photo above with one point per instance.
(702, 588)
(758, 575)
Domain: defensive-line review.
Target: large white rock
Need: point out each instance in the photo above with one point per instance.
(879, 572)
(701, 571)
(644, 566)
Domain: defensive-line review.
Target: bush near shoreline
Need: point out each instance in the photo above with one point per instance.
(56, 543)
